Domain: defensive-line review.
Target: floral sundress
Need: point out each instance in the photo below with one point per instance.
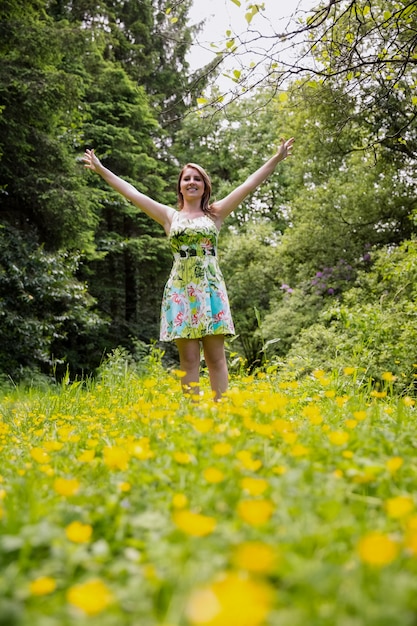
(195, 301)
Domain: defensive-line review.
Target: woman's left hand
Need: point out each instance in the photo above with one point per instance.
(285, 148)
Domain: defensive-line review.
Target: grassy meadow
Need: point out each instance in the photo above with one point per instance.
(290, 503)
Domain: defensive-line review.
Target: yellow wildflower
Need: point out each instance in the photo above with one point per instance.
(92, 597)
(194, 524)
(213, 475)
(183, 458)
(400, 506)
(40, 455)
(79, 532)
(116, 457)
(42, 586)
(66, 486)
(255, 512)
(254, 486)
(255, 557)
(394, 463)
(179, 501)
(338, 437)
(231, 600)
(377, 549)
(87, 456)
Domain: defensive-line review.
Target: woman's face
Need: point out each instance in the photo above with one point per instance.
(191, 184)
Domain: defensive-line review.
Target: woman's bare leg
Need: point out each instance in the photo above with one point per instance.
(215, 358)
(189, 352)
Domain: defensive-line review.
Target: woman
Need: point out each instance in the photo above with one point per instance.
(195, 306)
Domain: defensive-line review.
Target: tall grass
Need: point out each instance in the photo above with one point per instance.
(288, 503)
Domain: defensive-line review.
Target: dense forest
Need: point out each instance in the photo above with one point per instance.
(321, 262)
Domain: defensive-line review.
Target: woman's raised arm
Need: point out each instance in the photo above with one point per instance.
(161, 213)
(222, 208)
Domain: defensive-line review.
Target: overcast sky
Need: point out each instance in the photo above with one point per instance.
(222, 15)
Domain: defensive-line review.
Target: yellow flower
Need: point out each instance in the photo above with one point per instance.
(116, 457)
(388, 377)
(254, 486)
(179, 501)
(378, 394)
(312, 412)
(348, 371)
(255, 557)
(87, 456)
(245, 457)
(194, 524)
(79, 532)
(124, 487)
(183, 458)
(359, 415)
(222, 449)
(40, 455)
(351, 424)
(377, 548)
(92, 597)
(232, 600)
(393, 464)
(66, 486)
(408, 401)
(213, 475)
(42, 586)
(399, 506)
(338, 437)
(299, 450)
(255, 512)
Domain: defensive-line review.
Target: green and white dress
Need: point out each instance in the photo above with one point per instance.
(195, 302)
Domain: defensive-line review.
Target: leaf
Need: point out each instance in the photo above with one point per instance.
(174, 20)
(283, 97)
(236, 2)
(236, 74)
(202, 101)
(230, 44)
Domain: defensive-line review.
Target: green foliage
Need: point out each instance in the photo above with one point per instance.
(44, 310)
(374, 327)
(250, 264)
(40, 121)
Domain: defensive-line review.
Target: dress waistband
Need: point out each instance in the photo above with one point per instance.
(185, 253)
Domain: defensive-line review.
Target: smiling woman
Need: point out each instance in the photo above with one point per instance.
(195, 308)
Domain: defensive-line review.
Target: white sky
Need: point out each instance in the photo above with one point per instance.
(222, 15)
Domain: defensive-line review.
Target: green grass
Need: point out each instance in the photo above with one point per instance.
(168, 529)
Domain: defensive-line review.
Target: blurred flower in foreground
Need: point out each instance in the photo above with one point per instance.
(42, 586)
(255, 512)
(400, 506)
(79, 532)
(66, 486)
(377, 548)
(394, 463)
(232, 600)
(194, 524)
(255, 557)
(92, 597)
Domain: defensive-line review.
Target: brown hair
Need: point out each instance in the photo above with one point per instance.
(205, 207)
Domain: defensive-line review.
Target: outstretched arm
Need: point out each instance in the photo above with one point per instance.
(161, 213)
(222, 208)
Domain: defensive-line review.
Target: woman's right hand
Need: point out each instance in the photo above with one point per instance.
(91, 161)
